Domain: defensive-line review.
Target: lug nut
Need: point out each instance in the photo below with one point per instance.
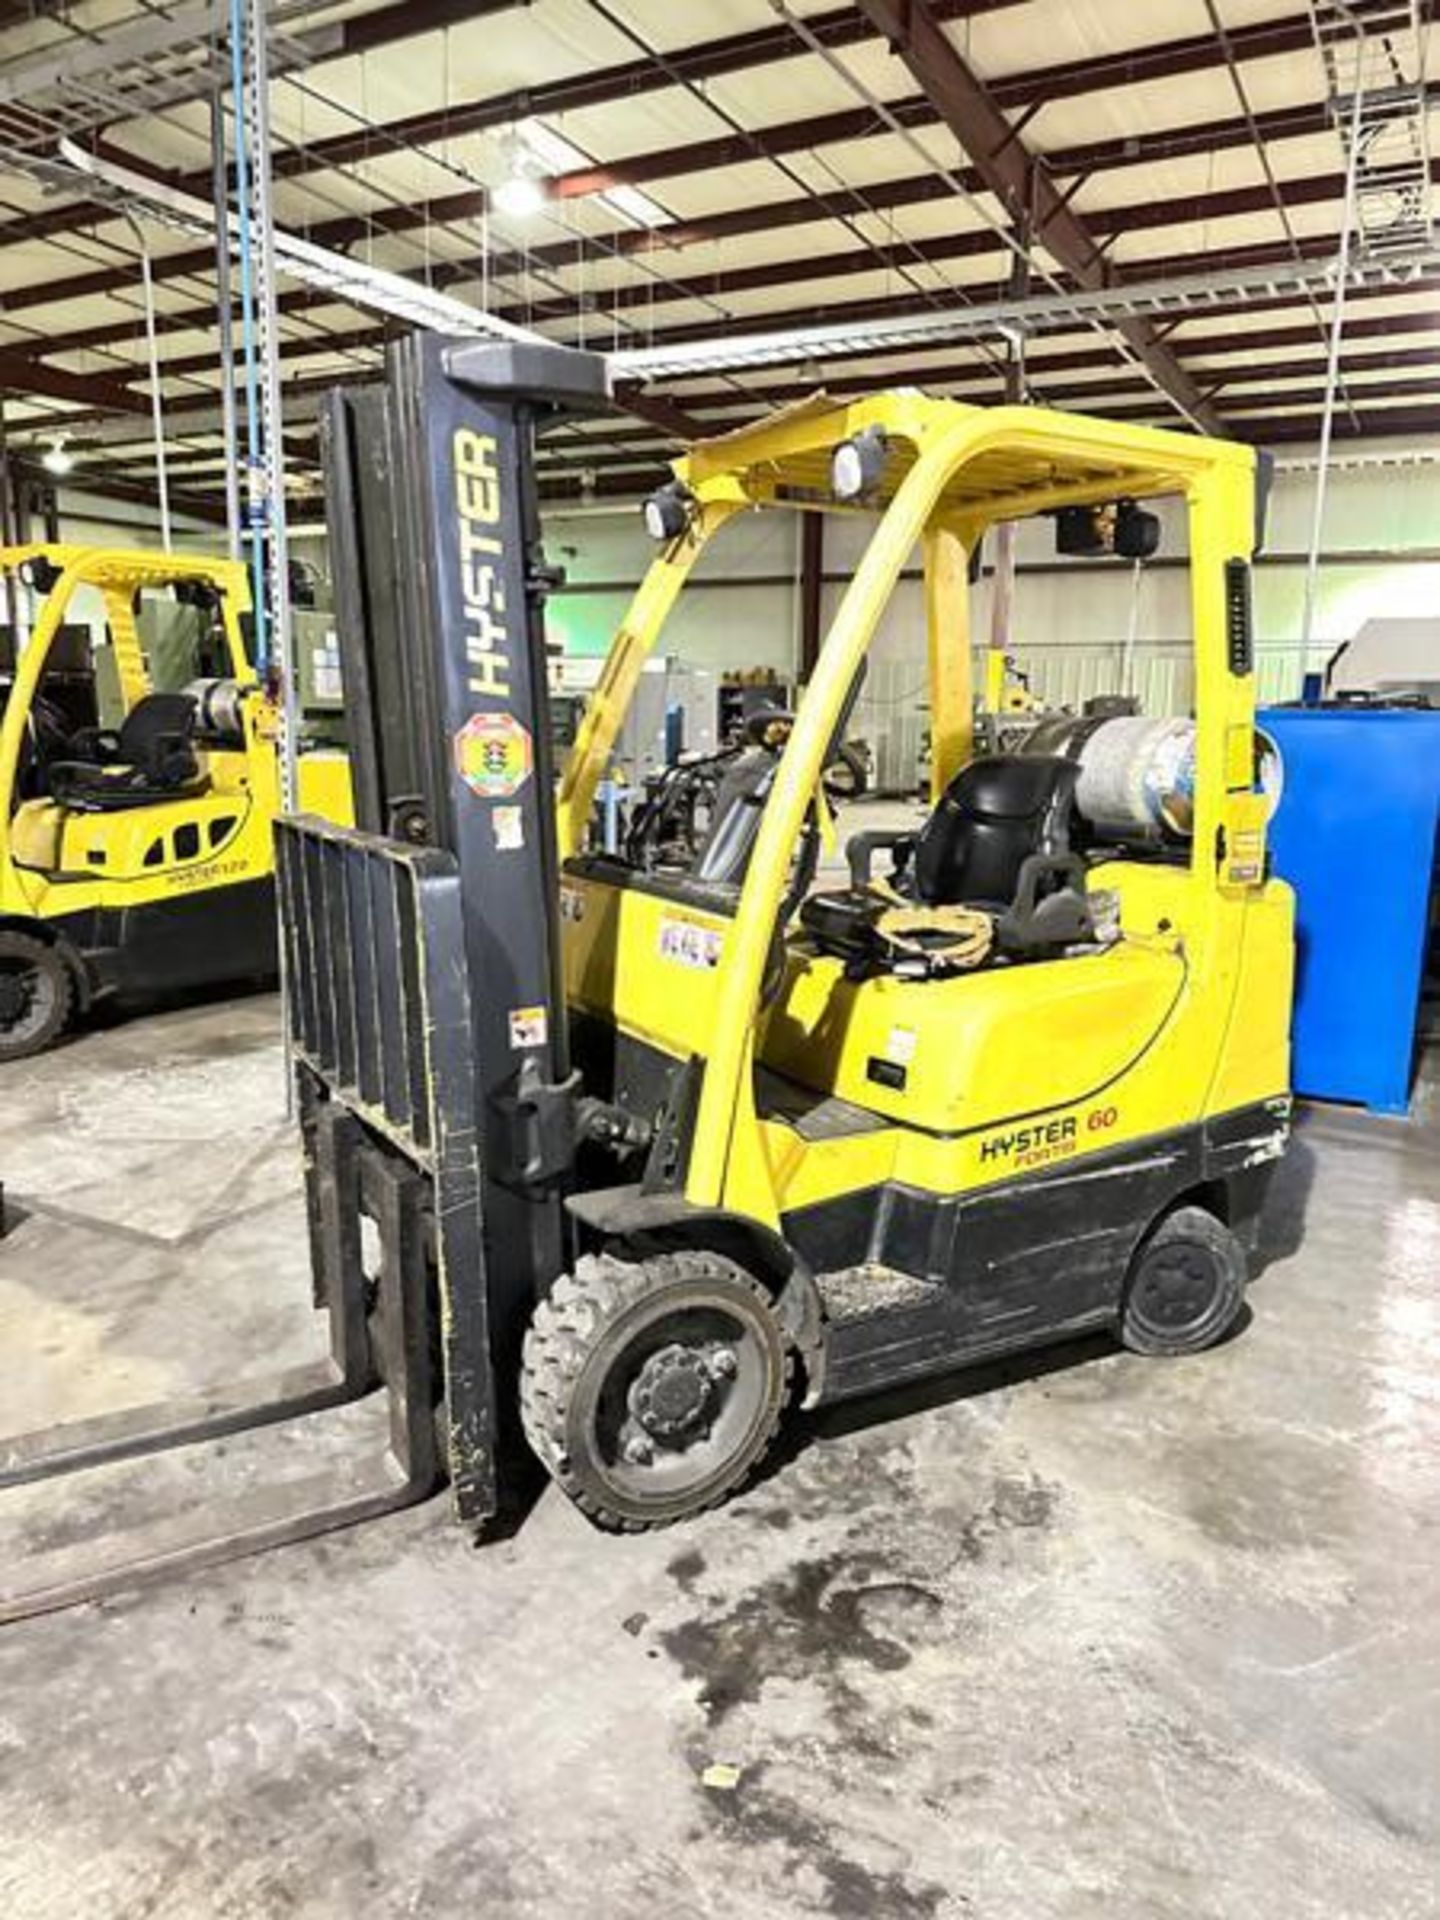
(723, 1363)
(638, 1451)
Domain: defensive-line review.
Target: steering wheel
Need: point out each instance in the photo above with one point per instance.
(671, 820)
(677, 812)
(845, 777)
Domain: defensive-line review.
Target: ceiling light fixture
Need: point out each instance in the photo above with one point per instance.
(522, 194)
(520, 197)
(59, 459)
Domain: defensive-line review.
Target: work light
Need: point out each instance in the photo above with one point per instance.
(857, 464)
(668, 510)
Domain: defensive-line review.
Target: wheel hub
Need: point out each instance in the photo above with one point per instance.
(1180, 1285)
(673, 1393)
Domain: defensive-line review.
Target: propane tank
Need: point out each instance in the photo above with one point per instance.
(1137, 776)
(219, 711)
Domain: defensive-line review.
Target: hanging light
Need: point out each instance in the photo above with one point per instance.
(522, 195)
(59, 459)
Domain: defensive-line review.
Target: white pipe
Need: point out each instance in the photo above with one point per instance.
(228, 420)
(1127, 668)
(157, 402)
(1332, 365)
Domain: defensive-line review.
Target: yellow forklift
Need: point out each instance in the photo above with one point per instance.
(633, 1151)
(139, 785)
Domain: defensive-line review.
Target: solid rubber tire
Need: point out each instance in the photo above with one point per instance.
(1198, 1228)
(47, 959)
(570, 1328)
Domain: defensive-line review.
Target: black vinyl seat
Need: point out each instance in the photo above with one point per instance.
(151, 757)
(998, 840)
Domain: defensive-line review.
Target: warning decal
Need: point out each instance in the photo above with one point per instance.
(529, 1027)
(493, 755)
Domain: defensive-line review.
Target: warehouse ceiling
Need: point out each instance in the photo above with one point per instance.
(707, 172)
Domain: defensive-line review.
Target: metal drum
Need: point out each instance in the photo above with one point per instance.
(219, 711)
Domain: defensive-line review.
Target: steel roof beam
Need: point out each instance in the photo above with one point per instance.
(709, 59)
(908, 190)
(362, 33)
(1105, 222)
(840, 27)
(1032, 201)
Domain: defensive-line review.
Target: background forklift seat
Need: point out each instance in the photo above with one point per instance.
(150, 758)
(998, 840)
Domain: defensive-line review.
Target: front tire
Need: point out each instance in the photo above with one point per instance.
(651, 1389)
(1186, 1287)
(37, 994)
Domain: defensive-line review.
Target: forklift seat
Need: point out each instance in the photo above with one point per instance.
(150, 758)
(998, 840)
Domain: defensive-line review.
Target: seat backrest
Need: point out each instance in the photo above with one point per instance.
(993, 815)
(156, 719)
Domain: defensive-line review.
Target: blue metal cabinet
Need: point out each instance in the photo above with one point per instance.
(1355, 836)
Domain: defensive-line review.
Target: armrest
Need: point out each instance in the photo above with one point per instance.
(94, 744)
(1038, 867)
(861, 848)
(1060, 919)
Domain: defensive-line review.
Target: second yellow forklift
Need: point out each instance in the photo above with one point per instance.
(139, 785)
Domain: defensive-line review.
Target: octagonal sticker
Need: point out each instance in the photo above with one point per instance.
(494, 755)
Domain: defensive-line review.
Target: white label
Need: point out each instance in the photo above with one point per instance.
(689, 945)
(900, 1045)
(529, 1027)
(509, 826)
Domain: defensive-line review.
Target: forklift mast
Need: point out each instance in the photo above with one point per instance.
(440, 585)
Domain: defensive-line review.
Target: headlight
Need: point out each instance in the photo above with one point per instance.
(668, 510)
(857, 464)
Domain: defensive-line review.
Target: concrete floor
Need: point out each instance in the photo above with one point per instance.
(1111, 1637)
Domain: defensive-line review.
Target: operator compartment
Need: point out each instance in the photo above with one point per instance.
(671, 933)
(664, 896)
(169, 788)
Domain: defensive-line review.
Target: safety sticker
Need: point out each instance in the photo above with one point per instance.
(529, 1027)
(900, 1045)
(494, 755)
(508, 824)
(1247, 858)
(572, 904)
(690, 945)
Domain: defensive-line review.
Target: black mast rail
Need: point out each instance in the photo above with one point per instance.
(440, 582)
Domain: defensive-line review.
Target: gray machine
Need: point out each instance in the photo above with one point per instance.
(1390, 661)
(674, 712)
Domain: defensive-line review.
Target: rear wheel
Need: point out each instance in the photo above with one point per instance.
(1187, 1285)
(37, 994)
(651, 1388)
